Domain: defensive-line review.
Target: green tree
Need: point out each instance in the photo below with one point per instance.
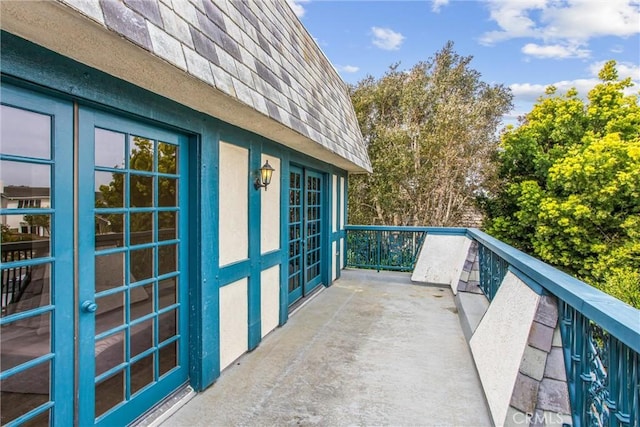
(431, 132)
(571, 185)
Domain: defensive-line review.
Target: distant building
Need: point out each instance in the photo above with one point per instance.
(21, 197)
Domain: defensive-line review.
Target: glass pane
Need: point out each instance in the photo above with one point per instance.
(25, 185)
(109, 393)
(141, 264)
(24, 391)
(167, 325)
(110, 313)
(167, 259)
(19, 244)
(109, 148)
(141, 191)
(109, 352)
(141, 301)
(168, 357)
(37, 421)
(141, 228)
(167, 292)
(167, 192)
(109, 231)
(141, 153)
(24, 288)
(142, 373)
(25, 340)
(109, 189)
(168, 223)
(168, 158)
(109, 271)
(24, 133)
(141, 337)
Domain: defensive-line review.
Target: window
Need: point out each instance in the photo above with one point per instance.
(29, 203)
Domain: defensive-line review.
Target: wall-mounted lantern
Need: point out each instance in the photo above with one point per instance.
(266, 171)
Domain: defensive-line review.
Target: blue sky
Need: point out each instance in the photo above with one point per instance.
(523, 44)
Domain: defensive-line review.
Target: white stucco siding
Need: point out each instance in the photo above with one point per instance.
(342, 259)
(499, 342)
(234, 206)
(441, 260)
(234, 332)
(270, 299)
(334, 204)
(334, 267)
(343, 192)
(270, 208)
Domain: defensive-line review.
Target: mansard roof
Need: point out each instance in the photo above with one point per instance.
(249, 63)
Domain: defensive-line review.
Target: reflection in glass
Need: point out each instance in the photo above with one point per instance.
(141, 153)
(168, 225)
(109, 151)
(25, 340)
(109, 271)
(167, 259)
(142, 373)
(168, 357)
(167, 292)
(25, 185)
(24, 133)
(109, 230)
(167, 323)
(141, 228)
(141, 264)
(141, 191)
(141, 301)
(26, 237)
(24, 288)
(109, 393)
(141, 337)
(109, 352)
(167, 158)
(109, 189)
(25, 391)
(167, 192)
(110, 313)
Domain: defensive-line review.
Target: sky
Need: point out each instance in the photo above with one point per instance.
(526, 45)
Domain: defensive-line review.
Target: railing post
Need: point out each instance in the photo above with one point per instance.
(378, 249)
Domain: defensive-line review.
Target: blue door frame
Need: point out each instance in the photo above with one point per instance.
(306, 222)
(151, 253)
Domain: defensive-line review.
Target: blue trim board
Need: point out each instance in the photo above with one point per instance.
(284, 237)
(255, 233)
(618, 318)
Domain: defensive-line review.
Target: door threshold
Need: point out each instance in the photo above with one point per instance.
(296, 306)
(166, 408)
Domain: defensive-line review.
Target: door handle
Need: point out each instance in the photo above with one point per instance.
(89, 306)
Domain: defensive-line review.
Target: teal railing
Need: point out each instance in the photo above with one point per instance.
(600, 334)
(384, 247)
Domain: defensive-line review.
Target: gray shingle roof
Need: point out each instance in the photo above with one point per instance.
(257, 52)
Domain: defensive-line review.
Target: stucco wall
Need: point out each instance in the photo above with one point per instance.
(234, 333)
(270, 208)
(270, 299)
(499, 342)
(234, 208)
(441, 260)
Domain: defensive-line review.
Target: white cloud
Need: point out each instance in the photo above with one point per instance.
(617, 49)
(386, 38)
(530, 92)
(438, 4)
(555, 51)
(348, 68)
(568, 23)
(296, 6)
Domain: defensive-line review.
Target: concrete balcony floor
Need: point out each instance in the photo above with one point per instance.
(373, 349)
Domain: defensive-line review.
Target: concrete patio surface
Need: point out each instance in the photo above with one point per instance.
(373, 349)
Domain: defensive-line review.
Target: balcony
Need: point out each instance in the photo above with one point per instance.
(466, 330)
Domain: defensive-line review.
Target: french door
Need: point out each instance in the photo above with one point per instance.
(305, 232)
(94, 308)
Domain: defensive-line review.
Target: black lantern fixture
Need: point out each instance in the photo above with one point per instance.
(266, 171)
